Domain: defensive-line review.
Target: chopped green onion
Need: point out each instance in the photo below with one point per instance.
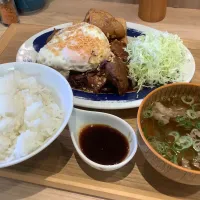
(164, 149)
(180, 119)
(178, 148)
(160, 147)
(186, 124)
(197, 125)
(184, 142)
(187, 100)
(183, 121)
(147, 113)
(175, 134)
(174, 159)
(191, 114)
(196, 145)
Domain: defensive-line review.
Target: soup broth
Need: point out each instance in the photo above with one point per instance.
(172, 127)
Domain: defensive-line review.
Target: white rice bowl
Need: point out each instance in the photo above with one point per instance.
(35, 105)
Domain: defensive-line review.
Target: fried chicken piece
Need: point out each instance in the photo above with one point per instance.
(123, 22)
(111, 27)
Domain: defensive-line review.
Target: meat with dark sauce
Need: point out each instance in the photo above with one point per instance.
(117, 74)
(117, 47)
(96, 81)
(77, 80)
(90, 81)
(110, 76)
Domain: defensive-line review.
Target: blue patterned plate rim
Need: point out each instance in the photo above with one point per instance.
(86, 99)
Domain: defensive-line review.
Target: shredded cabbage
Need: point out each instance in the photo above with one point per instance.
(156, 58)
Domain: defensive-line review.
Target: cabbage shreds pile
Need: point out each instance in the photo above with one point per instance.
(156, 58)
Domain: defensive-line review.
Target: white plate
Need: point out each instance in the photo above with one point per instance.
(27, 53)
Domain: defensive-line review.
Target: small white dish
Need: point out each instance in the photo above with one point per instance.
(59, 87)
(82, 118)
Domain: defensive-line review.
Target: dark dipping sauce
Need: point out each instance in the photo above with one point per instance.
(103, 144)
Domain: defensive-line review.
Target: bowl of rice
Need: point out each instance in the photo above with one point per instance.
(36, 103)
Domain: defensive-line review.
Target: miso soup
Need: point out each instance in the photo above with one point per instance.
(172, 127)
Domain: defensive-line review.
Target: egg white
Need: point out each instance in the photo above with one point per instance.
(68, 59)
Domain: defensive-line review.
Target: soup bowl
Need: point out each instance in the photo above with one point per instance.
(158, 162)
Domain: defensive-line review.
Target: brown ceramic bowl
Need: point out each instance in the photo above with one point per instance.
(165, 167)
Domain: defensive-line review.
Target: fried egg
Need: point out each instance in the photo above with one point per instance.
(80, 47)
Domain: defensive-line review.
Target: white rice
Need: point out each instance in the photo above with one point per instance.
(29, 115)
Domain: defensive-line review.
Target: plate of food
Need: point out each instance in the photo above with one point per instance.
(110, 63)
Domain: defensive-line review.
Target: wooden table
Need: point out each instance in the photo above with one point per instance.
(184, 22)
